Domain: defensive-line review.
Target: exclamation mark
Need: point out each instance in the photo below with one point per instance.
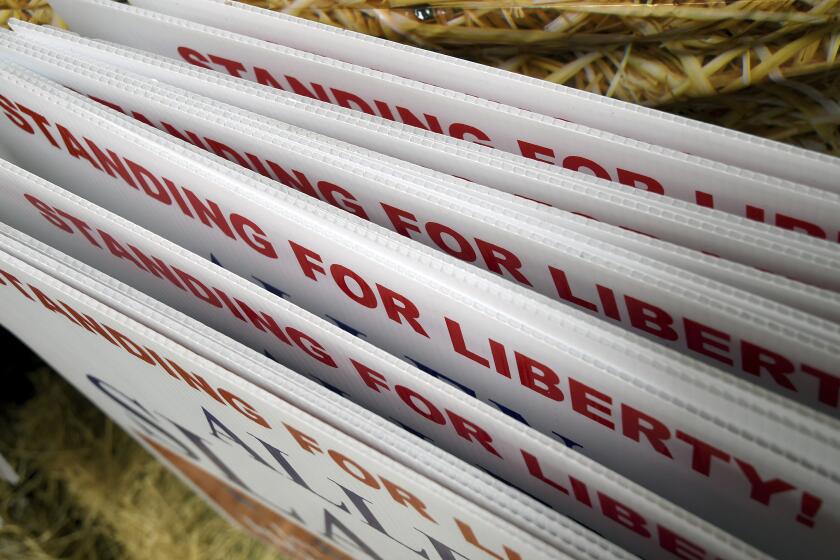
(810, 506)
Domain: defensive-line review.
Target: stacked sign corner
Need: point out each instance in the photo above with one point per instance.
(375, 302)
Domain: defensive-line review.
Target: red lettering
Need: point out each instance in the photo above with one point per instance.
(74, 147)
(795, 224)
(399, 307)
(111, 163)
(49, 304)
(118, 250)
(81, 226)
(406, 498)
(754, 213)
(12, 114)
(367, 298)
(538, 377)
(195, 381)
(194, 57)
(703, 339)
(373, 379)
(41, 121)
(357, 471)
(400, 220)
(463, 251)
(470, 537)
(702, 453)
(456, 335)
(829, 385)
(48, 213)
(300, 181)
(307, 443)
(264, 77)
(564, 290)
(187, 136)
(225, 151)
(243, 408)
(650, 318)
(299, 89)
(148, 182)
(639, 181)
(351, 101)
(14, 282)
(534, 151)
(762, 490)
(253, 236)
(583, 399)
(209, 213)
(756, 360)
(576, 163)
(348, 202)
(197, 288)
(311, 347)
(679, 546)
(461, 131)
(623, 515)
(535, 470)
(307, 260)
(232, 67)
(409, 118)
(498, 258)
(263, 321)
(156, 267)
(635, 423)
(88, 323)
(129, 345)
(704, 199)
(471, 431)
(420, 404)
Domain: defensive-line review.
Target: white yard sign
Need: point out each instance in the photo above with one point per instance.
(629, 404)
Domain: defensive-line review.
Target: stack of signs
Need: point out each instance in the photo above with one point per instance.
(374, 302)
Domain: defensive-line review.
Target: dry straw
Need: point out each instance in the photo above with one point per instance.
(36, 11)
(649, 51)
(88, 491)
(805, 112)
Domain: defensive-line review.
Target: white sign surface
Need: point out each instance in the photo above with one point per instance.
(454, 421)
(633, 210)
(596, 111)
(635, 382)
(478, 225)
(656, 169)
(311, 473)
(473, 484)
(693, 226)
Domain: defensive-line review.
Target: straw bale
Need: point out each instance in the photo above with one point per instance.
(36, 11)
(88, 491)
(804, 112)
(714, 25)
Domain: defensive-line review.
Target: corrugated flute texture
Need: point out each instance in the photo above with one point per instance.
(766, 67)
